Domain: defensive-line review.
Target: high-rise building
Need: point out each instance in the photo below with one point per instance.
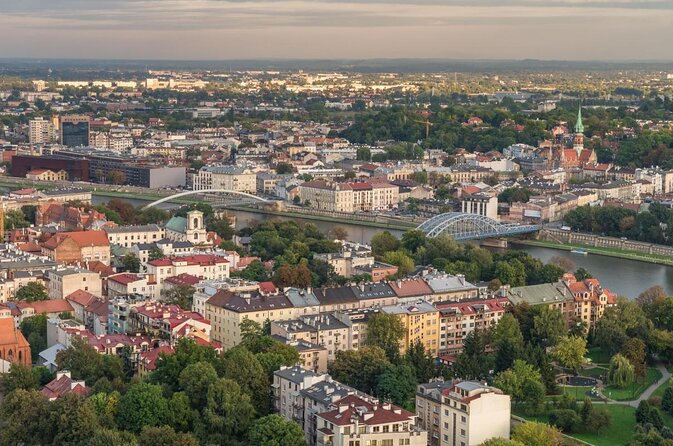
(41, 131)
(74, 130)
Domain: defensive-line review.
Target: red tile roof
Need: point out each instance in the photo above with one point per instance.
(81, 238)
(81, 297)
(47, 306)
(64, 385)
(183, 279)
(125, 278)
(410, 287)
(349, 409)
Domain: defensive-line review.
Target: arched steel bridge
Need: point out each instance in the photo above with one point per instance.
(463, 226)
(206, 191)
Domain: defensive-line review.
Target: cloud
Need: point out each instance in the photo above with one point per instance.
(571, 29)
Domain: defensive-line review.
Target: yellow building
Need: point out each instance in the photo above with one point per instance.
(421, 323)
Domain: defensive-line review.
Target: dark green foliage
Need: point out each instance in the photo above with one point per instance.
(566, 420)
(274, 430)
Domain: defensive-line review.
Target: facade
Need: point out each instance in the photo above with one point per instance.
(225, 177)
(480, 204)
(325, 330)
(14, 347)
(188, 229)
(365, 420)
(64, 282)
(47, 175)
(331, 197)
(459, 319)
(421, 325)
(202, 266)
(78, 247)
(462, 413)
(76, 169)
(130, 236)
(74, 130)
(41, 131)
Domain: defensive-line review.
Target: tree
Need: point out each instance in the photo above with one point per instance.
(181, 295)
(15, 219)
(32, 292)
(195, 380)
(112, 437)
(359, 368)
(532, 394)
(338, 233)
(155, 254)
(421, 361)
(621, 372)
(384, 242)
(634, 351)
(274, 430)
(74, 420)
(397, 384)
(34, 328)
(508, 341)
(221, 226)
(242, 366)
(570, 351)
(598, 420)
(25, 418)
(143, 405)
(413, 240)
(19, 377)
(646, 413)
(82, 360)
(501, 442)
(582, 274)
(131, 262)
(385, 331)
(511, 381)
(106, 406)
(181, 414)
(532, 433)
(228, 413)
(548, 325)
(284, 168)
(566, 420)
(255, 271)
(404, 263)
(165, 436)
(667, 400)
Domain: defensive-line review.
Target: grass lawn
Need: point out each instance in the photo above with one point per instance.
(634, 390)
(620, 432)
(594, 372)
(662, 388)
(578, 392)
(598, 356)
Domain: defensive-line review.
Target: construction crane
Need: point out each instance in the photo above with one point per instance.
(427, 124)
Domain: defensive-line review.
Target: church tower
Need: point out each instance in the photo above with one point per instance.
(578, 140)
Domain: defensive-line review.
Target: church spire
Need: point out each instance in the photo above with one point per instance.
(579, 127)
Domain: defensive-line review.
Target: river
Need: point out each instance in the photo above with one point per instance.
(625, 277)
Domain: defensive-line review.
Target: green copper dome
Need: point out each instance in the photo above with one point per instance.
(579, 127)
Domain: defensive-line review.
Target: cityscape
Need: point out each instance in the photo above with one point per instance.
(259, 235)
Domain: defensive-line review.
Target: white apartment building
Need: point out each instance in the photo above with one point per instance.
(363, 420)
(41, 131)
(130, 236)
(323, 195)
(225, 177)
(462, 413)
(480, 204)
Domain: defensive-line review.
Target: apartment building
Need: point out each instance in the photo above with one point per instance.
(346, 263)
(591, 300)
(130, 236)
(323, 329)
(327, 196)
(203, 266)
(129, 283)
(168, 322)
(225, 177)
(78, 247)
(288, 382)
(459, 319)
(480, 204)
(227, 309)
(421, 324)
(63, 282)
(311, 356)
(41, 131)
(462, 413)
(449, 287)
(364, 420)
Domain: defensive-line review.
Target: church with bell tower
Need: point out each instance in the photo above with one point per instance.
(565, 157)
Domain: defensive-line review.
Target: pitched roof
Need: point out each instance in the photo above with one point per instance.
(365, 411)
(177, 224)
(9, 335)
(47, 306)
(81, 297)
(81, 238)
(410, 287)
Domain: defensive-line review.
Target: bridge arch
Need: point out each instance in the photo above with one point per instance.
(462, 226)
(205, 191)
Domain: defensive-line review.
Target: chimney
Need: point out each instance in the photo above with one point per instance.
(461, 278)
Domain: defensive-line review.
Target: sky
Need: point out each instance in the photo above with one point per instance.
(338, 29)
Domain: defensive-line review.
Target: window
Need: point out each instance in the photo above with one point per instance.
(362, 429)
(463, 419)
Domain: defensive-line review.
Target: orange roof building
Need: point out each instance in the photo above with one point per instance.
(14, 347)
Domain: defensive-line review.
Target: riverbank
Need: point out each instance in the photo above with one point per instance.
(397, 226)
(607, 252)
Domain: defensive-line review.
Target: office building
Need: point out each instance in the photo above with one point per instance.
(74, 130)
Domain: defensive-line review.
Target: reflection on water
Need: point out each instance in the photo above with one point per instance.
(625, 277)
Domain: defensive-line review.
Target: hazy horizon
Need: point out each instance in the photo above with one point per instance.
(564, 30)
